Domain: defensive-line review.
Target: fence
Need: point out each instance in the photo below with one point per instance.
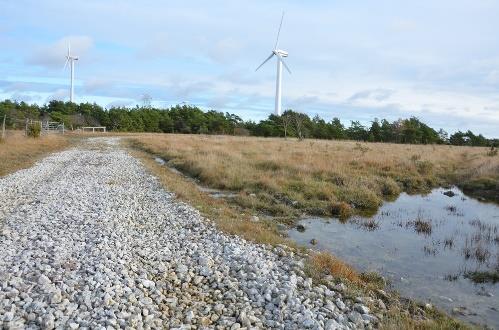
(47, 127)
(93, 129)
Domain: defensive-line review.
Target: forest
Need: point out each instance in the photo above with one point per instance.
(190, 119)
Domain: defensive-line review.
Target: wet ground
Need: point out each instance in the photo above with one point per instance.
(433, 248)
(216, 193)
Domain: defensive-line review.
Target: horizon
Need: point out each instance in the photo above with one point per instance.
(434, 61)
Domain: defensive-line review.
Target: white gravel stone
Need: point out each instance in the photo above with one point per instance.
(89, 239)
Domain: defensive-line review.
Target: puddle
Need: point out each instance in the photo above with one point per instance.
(215, 193)
(425, 246)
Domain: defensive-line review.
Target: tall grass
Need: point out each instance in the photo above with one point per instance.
(290, 177)
(18, 151)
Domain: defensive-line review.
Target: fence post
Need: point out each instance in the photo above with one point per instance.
(63, 128)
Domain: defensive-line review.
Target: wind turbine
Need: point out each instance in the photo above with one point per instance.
(71, 60)
(280, 54)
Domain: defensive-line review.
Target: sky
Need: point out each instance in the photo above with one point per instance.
(355, 60)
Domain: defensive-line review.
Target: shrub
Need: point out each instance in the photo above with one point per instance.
(240, 131)
(492, 152)
(323, 263)
(341, 209)
(389, 187)
(424, 167)
(362, 198)
(34, 130)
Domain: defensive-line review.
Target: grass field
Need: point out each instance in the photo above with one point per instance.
(285, 178)
(18, 151)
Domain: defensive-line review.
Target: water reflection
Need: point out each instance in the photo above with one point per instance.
(442, 248)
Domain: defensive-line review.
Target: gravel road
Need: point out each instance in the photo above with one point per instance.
(90, 239)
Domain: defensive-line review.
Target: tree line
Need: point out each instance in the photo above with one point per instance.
(191, 119)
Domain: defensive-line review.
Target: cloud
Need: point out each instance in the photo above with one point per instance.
(58, 95)
(25, 87)
(218, 102)
(303, 102)
(492, 77)
(188, 89)
(225, 50)
(53, 55)
(119, 103)
(241, 77)
(25, 97)
(378, 94)
(156, 47)
(97, 85)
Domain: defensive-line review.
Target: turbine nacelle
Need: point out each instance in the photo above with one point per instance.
(283, 53)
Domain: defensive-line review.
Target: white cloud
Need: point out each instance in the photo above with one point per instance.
(119, 103)
(225, 50)
(58, 95)
(157, 46)
(54, 55)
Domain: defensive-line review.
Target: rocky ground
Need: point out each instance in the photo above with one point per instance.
(89, 239)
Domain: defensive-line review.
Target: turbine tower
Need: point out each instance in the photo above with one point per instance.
(280, 54)
(71, 60)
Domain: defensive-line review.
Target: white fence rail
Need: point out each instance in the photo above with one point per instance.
(94, 128)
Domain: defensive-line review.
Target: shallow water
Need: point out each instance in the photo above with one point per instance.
(424, 245)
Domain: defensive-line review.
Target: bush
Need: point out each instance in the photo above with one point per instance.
(34, 130)
(361, 198)
(389, 187)
(424, 167)
(241, 131)
(341, 209)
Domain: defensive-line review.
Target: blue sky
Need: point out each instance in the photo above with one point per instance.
(356, 60)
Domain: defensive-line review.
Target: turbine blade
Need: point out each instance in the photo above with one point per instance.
(65, 64)
(268, 58)
(279, 32)
(69, 49)
(284, 63)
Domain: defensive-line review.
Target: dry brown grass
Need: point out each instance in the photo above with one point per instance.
(18, 152)
(227, 218)
(321, 264)
(290, 177)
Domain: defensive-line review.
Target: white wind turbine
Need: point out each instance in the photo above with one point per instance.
(280, 54)
(71, 60)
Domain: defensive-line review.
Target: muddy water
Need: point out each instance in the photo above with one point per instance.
(425, 246)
